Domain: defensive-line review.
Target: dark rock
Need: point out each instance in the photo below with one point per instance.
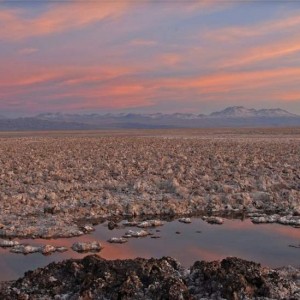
(51, 209)
(112, 225)
(294, 246)
(96, 278)
(234, 278)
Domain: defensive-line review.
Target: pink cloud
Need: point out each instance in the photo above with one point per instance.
(58, 18)
(28, 51)
(119, 87)
(143, 42)
(293, 96)
(266, 52)
(232, 33)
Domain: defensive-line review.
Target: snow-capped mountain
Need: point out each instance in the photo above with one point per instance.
(242, 112)
(229, 112)
(236, 116)
(276, 112)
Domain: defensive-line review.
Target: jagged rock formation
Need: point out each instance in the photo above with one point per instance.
(96, 278)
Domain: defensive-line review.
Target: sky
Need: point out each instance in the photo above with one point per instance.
(148, 56)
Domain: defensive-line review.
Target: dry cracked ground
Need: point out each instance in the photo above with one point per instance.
(52, 186)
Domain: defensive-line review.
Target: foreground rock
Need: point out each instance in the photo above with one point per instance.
(28, 249)
(233, 278)
(96, 278)
(214, 220)
(8, 243)
(275, 218)
(87, 247)
(117, 240)
(150, 223)
(25, 249)
(185, 220)
(136, 234)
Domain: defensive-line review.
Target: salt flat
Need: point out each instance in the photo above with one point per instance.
(52, 180)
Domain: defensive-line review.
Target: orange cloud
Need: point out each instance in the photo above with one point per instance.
(170, 59)
(205, 6)
(58, 18)
(234, 33)
(266, 52)
(126, 89)
(290, 96)
(66, 15)
(28, 51)
(96, 87)
(40, 78)
(27, 75)
(233, 80)
(143, 42)
(95, 74)
(122, 86)
(113, 95)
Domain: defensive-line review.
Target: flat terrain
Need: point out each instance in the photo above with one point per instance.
(52, 183)
(197, 132)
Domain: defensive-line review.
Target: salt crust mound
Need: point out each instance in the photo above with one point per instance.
(48, 184)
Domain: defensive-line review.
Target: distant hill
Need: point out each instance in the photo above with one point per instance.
(20, 124)
(242, 112)
(236, 116)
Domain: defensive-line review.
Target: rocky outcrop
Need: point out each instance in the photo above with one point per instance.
(234, 278)
(96, 278)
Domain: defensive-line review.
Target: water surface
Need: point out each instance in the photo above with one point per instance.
(264, 243)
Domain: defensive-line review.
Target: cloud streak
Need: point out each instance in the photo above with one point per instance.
(92, 88)
(278, 26)
(28, 51)
(148, 56)
(58, 18)
(267, 52)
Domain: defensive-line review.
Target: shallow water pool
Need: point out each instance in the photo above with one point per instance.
(264, 243)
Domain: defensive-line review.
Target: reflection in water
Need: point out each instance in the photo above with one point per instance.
(266, 243)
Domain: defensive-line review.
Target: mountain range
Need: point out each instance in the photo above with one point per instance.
(236, 116)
